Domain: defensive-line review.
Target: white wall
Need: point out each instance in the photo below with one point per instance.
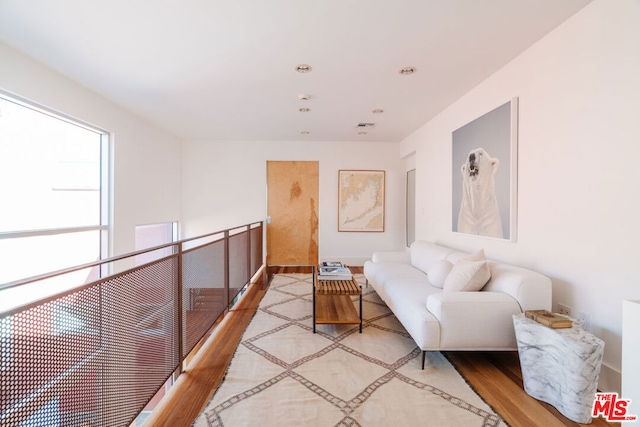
(579, 172)
(224, 185)
(147, 178)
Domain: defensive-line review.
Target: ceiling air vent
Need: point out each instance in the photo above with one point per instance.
(365, 125)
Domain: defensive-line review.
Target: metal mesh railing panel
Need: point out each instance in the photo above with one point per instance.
(140, 329)
(93, 357)
(50, 361)
(256, 249)
(205, 297)
(96, 355)
(238, 263)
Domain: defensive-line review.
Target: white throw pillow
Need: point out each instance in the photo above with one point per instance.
(470, 274)
(438, 272)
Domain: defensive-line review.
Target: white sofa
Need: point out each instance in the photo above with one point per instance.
(421, 287)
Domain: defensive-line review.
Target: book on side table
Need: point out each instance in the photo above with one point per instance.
(547, 318)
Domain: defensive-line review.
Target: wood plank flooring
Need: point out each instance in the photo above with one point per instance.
(495, 376)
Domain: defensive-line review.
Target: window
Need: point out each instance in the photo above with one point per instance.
(53, 190)
(151, 235)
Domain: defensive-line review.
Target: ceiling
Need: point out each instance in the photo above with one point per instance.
(225, 69)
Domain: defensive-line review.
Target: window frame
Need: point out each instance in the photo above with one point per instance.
(106, 184)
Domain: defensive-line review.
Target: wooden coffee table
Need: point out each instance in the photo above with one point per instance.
(332, 303)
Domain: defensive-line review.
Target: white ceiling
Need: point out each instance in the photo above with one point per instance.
(225, 69)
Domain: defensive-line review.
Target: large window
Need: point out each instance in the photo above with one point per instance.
(53, 191)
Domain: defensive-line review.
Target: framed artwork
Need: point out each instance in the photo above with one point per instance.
(361, 200)
(485, 174)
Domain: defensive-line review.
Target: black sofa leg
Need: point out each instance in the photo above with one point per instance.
(424, 354)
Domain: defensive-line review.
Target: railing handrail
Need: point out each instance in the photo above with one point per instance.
(44, 276)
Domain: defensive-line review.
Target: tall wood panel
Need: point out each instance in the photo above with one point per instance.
(292, 208)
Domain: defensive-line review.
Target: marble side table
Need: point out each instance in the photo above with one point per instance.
(559, 366)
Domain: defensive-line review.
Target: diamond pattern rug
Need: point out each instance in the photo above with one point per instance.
(283, 374)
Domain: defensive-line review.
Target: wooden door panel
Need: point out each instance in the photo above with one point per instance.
(292, 205)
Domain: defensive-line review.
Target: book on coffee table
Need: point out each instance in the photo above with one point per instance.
(547, 318)
(332, 264)
(334, 273)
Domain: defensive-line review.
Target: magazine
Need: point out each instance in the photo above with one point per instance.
(332, 264)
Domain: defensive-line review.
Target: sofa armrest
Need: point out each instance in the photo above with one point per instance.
(532, 290)
(477, 320)
(392, 256)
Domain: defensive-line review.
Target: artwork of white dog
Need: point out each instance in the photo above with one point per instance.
(479, 212)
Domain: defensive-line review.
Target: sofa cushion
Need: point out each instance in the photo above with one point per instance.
(407, 299)
(391, 256)
(424, 254)
(438, 272)
(470, 274)
(379, 274)
(456, 256)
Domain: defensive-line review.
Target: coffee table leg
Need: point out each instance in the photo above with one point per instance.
(314, 301)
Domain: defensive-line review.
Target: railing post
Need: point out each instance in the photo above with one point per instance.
(181, 311)
(249, 259)
(226, 268)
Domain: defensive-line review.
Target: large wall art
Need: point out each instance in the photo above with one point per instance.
(484, 174)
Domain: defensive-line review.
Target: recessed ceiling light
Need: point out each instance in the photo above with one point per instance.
(305, 132)
(303, 68)
(378, 111)
(304, 110)
(304, 97)
(407, 71)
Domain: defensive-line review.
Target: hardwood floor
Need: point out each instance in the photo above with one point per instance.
(495, 376)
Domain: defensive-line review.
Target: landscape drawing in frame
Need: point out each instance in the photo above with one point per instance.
(484, 174)
(361, 200)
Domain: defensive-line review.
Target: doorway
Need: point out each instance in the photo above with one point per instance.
(292, 212)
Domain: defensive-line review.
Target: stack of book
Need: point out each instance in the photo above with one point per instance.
(549, 319)
(334, 271)
(332, 264)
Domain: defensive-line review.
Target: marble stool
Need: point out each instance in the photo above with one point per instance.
(559, 366)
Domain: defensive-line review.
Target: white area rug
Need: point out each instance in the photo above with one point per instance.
(284, 375)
